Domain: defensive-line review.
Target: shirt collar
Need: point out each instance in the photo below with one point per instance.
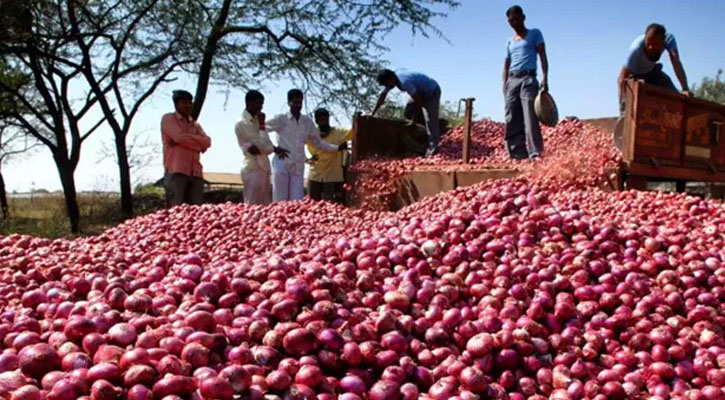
(181, 117)
(247, 116)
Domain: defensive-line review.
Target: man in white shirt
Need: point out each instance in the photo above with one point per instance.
(293, 131)
(256, 146)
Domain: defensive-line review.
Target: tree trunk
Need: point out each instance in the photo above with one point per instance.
(207, 61)
(66, 171)
(124, 175)
(4, 198)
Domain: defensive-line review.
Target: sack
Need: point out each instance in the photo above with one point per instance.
(546, 110)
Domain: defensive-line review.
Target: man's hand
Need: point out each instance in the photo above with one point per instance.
(281, 153)
(342, 146)
(687, 93)
(544, 86)
(504, 87)
(254, 150)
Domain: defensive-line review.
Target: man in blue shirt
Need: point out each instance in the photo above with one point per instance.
(642, 63)
(523, 134)
(426, 99)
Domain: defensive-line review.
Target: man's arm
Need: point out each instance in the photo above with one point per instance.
(381, 100)
(624, 74)
(313, 135)
(506, 66)
(541, 49)
(417, 106)
(171, 129)
(679, 71)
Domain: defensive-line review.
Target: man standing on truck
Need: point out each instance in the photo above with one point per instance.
(326, 170)
(426, 99)
(183, 141)
(520, 87)
(293, 131)
(256, 146)
(642, 61)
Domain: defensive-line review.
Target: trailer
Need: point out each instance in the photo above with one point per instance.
(666, 136)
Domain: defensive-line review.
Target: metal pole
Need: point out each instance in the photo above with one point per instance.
(467, 125)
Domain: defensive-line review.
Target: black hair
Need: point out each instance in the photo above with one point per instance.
(656, 28)
(514, 9)
(181, 95)
(253, 95)
(294, 94)
(321, 112)
(386, 76)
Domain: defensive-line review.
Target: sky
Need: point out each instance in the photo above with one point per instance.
(586, 43)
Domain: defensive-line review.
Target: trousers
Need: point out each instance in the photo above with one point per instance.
(257, 187)
(522, 133)
(286, 183)
(182, 188)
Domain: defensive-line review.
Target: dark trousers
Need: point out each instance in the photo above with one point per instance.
(523, 134)
(181, 188)
(330, 191)
(655, 77)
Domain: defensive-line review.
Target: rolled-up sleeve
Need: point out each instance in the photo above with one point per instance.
(314, 137)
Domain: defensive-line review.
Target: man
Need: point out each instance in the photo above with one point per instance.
(293, 131)
(256, 146)
(326, 172)
(642, 63)
(183, 141)
(520, 86)
(425, 94)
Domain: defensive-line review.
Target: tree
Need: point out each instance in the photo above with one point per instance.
(13, 144)
(85, 58)
(332, 47)
(712, 89)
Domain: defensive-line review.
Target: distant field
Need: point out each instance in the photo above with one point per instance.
(45, 215)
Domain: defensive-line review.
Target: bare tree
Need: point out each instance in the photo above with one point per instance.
(89, 57)
(333, 47)
(14, 143)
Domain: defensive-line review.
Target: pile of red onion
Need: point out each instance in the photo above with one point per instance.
(529, 289)
(573, 151)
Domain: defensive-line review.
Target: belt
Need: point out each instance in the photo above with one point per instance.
(518, 74)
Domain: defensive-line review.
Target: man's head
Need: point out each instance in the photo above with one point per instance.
(254, 101)
(516, 17)
(182, 102)
(387, 78)
(294, 100)
(654, 41)
(322, 119)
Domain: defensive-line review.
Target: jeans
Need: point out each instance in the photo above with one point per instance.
(522, 134)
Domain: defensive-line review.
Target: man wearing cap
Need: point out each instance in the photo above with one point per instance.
(425, 94)
(183, 140)
(326, 178)
(256, 147)
(293, 131)
(642, 61)
(520, 86)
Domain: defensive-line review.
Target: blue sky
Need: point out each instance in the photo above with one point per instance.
(586, 44)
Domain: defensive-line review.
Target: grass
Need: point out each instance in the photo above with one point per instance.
(45, 216)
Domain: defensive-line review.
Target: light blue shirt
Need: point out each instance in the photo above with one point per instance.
(414, 82)
(522, 53)
(637, 61)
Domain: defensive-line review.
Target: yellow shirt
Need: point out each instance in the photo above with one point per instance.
(328, 167)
